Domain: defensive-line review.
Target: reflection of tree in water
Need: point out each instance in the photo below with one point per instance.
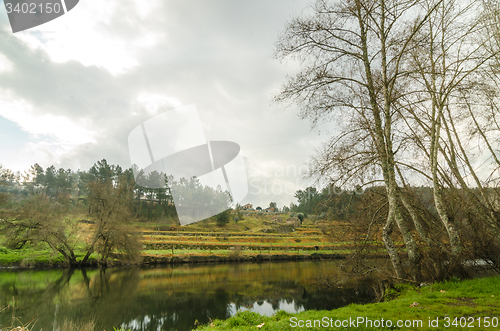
(110, 297)
(167, 298)
(179, 310)
(336, 298)
(306, 296)
(114, 301)
(294, 284)
(32, 297)
(76, 301)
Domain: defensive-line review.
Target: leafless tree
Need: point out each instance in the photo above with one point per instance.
(41, 219)
(353, 56)
(111, 209)
(451, 59)
(412, 86)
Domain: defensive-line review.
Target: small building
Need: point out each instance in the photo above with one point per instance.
(270, 210)
(247, 207)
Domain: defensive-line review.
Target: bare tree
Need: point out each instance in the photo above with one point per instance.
(450, 60)
(353, 55)
(40, 219)
(406, 81)
(111, 209)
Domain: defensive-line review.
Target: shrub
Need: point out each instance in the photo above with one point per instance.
(223, 218)
(235, 252)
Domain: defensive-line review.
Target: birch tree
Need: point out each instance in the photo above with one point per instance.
(352, 57)
(450, 58)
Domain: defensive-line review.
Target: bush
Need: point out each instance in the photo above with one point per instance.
(314, 217)
(300, 216)
(223, 218)
(4, 198)
(319, 217)
(235, 252)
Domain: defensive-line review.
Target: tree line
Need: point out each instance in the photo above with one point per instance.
(40, 206)
(151, 196)
(412, 87)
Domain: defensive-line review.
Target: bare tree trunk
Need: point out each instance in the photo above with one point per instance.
(436, 248)
(383, 135)
(438, 101)
(391, 248)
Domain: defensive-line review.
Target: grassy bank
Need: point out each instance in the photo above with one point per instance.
(40, 255)
(453, 305)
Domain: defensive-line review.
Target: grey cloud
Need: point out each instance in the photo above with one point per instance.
(216, 54)
(69, 89)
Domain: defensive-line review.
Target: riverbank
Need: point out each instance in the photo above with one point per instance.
(452, 305)
(164, 259)
(254, 239)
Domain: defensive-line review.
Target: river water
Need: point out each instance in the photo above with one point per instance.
(170, 297)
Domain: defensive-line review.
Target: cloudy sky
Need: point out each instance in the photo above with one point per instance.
(73, 89)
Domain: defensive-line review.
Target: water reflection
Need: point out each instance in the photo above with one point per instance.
(267, 308)
(170, 297)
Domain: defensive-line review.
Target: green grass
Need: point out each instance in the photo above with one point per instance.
(35, 255)
(471, 300)
(28, 256)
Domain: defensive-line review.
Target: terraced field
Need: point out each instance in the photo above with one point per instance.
(248, 238)
(262, 237)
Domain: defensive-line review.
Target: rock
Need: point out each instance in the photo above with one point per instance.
(293, 221)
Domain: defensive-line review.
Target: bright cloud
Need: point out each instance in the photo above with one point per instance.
(152, 103)
(63, 130)
(5, 64)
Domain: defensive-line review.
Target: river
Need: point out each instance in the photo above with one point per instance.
(172, 297)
